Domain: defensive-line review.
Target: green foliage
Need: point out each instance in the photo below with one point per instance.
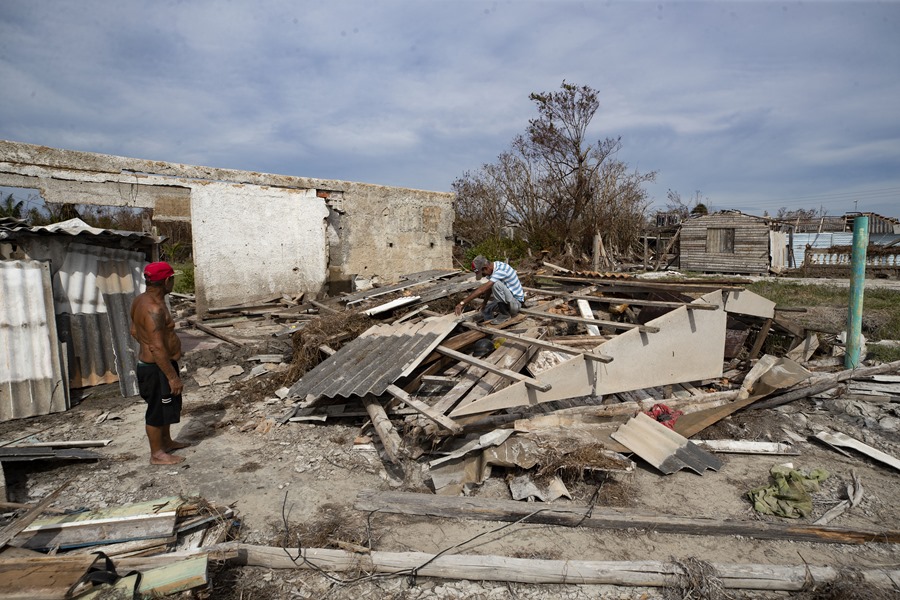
(505, 249)
(10, 208)
(883, 353)
(879, 304)
(184, 277)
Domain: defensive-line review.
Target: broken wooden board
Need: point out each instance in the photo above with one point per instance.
(144, 520)
(608, 518)
(26, 579)
(747, 447)
(688, 347)
(186, 574)
(836, 438)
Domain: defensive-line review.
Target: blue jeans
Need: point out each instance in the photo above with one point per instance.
(502, 301)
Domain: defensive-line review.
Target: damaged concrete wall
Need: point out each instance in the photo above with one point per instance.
(254, 234)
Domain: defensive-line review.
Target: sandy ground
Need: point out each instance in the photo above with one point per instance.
(279, 477)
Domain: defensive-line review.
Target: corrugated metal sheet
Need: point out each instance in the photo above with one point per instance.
(73, 227)
(829, 239)
(94, 290)
(663, 448)
(31, 379)
(374, 360)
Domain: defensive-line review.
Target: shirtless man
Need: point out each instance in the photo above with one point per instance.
(157, 370)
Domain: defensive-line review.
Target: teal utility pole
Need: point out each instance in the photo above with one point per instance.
(857, 285)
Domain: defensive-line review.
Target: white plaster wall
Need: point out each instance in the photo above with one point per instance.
(252, 241)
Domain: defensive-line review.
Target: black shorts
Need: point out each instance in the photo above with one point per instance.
(162, 407)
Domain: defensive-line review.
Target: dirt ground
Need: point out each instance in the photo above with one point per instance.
(282, 479)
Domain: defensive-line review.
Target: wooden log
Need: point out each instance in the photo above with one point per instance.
(609, 518)
(525, 570)
(389, 437)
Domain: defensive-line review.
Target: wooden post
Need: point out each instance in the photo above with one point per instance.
(384, 428)
(595, 253)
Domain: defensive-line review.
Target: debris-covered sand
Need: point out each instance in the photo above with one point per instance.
(294, 485)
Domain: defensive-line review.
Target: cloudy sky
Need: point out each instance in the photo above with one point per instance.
(755, 105)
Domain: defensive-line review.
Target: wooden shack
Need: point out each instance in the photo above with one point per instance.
(731, 242)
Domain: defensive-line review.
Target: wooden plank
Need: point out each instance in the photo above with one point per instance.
(424, 409)
(622, 300)
(528, 381)
(608, 518)
(173, 578)
(16, 527)
(584, 309)
(760, 339)
(611, 324)
(536, 342)
(195, 323)
(21, 578)
(842, 440)
(144, 520)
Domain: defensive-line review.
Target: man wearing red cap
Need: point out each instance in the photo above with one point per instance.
(157, 369)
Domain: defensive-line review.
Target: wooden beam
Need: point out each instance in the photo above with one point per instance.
(209, 330)
(16, 527)
(621, 300)
(389, 437)
(537, 342)
(528, 381)
(612, 324)
(760, 339)
(609, 518)
(678, 286)
(424, 409)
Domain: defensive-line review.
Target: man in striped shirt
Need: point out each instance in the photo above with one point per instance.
(502, 292)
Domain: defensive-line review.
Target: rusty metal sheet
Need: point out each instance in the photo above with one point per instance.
(374, 360)
(663, 448)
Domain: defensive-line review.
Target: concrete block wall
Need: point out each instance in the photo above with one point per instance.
(254, 234)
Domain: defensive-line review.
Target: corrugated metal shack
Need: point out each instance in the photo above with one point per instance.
(732, 242)
(824, 233)
(92, 276)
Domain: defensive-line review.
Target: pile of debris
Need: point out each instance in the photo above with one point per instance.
(592, 370)
(143, 550)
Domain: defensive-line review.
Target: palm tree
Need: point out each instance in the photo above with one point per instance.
(10, 208)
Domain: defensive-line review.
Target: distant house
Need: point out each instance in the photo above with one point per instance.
(729, 241)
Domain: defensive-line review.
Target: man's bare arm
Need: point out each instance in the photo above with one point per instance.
(157, 330)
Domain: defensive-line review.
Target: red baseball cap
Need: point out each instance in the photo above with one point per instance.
(158, 271)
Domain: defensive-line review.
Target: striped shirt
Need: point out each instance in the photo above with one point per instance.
(507, 275)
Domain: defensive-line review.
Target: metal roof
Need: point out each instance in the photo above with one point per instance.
(662, 447)
(374, 360)
(31, 380)
(72, 227)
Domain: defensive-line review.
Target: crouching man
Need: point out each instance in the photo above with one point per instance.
(502, 292)
(157, 368)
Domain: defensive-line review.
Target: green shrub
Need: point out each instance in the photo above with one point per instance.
(184, 277)
(504, 249)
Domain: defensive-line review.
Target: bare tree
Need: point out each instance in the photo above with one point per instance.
(556, 185)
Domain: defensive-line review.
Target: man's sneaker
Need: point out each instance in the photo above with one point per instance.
(501, 318)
